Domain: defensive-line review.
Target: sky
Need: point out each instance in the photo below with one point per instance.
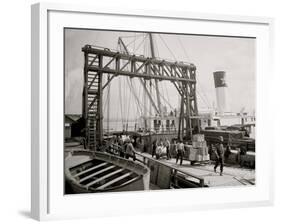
(235, 56)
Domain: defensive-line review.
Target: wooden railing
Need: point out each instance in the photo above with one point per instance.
(176, 173)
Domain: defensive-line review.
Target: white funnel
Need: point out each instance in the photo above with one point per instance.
(221, 92)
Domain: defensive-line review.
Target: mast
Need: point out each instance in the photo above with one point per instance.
(108, 102)
(146, 70)
(156, 81)
(147, 91)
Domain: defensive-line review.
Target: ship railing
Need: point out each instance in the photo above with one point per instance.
(113, 149)
(176, 173)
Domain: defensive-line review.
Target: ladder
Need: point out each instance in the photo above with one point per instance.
(92, 102)
(93, 105)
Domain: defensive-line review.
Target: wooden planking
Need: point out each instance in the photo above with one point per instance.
(104, 177)
(114, 181)
(132, 180)
(96, 173)
(90, 169)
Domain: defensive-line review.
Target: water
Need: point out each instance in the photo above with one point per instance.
(120, 126)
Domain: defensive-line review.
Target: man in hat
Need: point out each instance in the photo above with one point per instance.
(180, 151)
(167, 145)
(219, 152)
(129, 150)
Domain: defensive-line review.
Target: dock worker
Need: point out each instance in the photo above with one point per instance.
(167, 145)
(154, 146)
(160, 150)
(219, 153)
(180, 151)
(130, 151)
(121, 146)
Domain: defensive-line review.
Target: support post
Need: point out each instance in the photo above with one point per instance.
(85, 99)
(100, 103)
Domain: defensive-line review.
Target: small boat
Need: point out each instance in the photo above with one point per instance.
(91, 172)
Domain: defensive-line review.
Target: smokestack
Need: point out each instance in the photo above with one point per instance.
(221, 92)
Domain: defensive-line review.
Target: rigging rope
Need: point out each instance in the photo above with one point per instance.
(132, 88)
(202, 99)
(168, 47)
(105, 101)
(204, 94)
(168, 97)
(133, 41)
(164, 98)
(182, 46)
(120, 97)
(144, 37)
(205, 98)
(128, 109)
(130, 36)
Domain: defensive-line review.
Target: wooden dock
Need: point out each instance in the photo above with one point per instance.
(232, 175)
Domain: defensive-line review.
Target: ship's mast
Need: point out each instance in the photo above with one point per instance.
(108, 102)
(147, 91)
(156, 81)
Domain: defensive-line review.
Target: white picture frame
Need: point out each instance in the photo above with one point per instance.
(48, 201)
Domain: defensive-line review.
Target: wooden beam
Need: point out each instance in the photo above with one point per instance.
(91, 50)
(131, 180)
(108, 81)
(90, 169)
(96, 173)
(139, 75)
(104, 177)
(93, 60)
(94, 78)
(100, 103)
(111, 60)
(114, 180)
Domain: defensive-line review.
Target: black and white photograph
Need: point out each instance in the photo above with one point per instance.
(158, 111)
(140, 112)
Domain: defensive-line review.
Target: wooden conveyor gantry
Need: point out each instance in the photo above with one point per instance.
(99, 61)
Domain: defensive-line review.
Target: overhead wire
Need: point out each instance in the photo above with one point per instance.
(144, 37)
(130, 36)
(126, 108)
(132, 42)
(120, 97)
(167, 47)
(128, 93)
(204, 97)
(139, 109)
(163, 98)
(182, 47)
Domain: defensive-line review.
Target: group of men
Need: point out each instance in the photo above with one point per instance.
(218, 150)
(163, 147)
(126, 148)
(160, 148)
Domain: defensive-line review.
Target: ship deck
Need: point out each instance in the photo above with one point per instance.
(233, 175)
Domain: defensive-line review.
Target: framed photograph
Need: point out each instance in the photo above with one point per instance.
(134, 110)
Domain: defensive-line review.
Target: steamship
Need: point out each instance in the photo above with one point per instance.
(93, 171)
(215, 119)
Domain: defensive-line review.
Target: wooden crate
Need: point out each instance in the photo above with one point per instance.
(198, 138)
